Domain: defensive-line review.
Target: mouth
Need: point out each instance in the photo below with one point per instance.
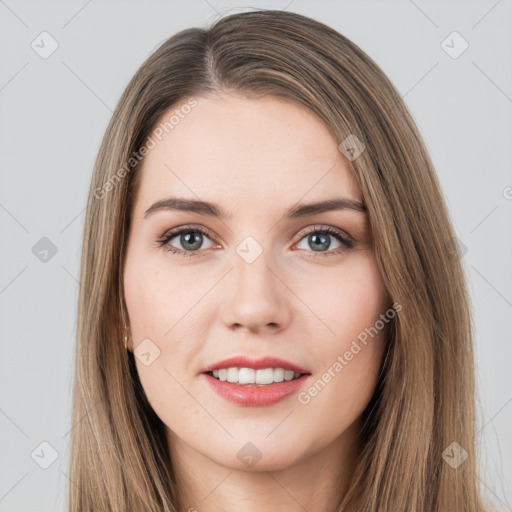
(261, 377)
(255, 383)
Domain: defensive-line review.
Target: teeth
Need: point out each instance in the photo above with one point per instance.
(278, 375)
(288, 375)
(251, 376)
(245, 375)
(265, 376)
(232, 375)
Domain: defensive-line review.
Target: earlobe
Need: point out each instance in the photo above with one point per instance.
(124, 328)
(125, 339)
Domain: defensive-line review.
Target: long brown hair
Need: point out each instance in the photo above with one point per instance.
(424, 400)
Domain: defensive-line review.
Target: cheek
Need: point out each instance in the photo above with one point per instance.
(155, 307)
(159, 303)
(349, 350)
(345, 300)
(156, 298)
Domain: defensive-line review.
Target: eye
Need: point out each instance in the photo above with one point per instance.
(319, 239)
(189, 239)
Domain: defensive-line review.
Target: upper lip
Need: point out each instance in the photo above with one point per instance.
(257, 364)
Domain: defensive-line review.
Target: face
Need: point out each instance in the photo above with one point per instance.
(287, 295)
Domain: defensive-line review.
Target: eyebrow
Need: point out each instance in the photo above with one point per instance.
(214, 210)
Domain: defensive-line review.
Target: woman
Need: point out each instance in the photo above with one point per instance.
(267, 235)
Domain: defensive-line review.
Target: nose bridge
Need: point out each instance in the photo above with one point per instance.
(255, 295)
(252, 273)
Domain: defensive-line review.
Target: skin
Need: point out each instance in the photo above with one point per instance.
(255, 158)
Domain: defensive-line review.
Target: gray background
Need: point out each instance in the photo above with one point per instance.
(53, 115)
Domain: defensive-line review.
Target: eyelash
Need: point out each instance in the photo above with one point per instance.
(163, 241)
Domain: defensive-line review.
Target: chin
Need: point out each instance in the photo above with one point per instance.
(255, 453)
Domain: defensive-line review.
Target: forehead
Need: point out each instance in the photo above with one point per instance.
(250, 152)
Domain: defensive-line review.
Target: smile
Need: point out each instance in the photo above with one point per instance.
(244, 376)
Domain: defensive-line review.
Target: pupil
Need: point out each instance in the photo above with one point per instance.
(186, 239)
(314, 240)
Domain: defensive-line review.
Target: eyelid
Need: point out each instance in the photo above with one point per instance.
(327, 229)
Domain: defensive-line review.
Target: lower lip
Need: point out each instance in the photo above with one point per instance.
(252, 395)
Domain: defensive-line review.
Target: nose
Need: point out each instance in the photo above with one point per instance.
(257, 299)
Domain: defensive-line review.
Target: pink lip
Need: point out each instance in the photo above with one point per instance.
(257, 364)
(252, 395)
